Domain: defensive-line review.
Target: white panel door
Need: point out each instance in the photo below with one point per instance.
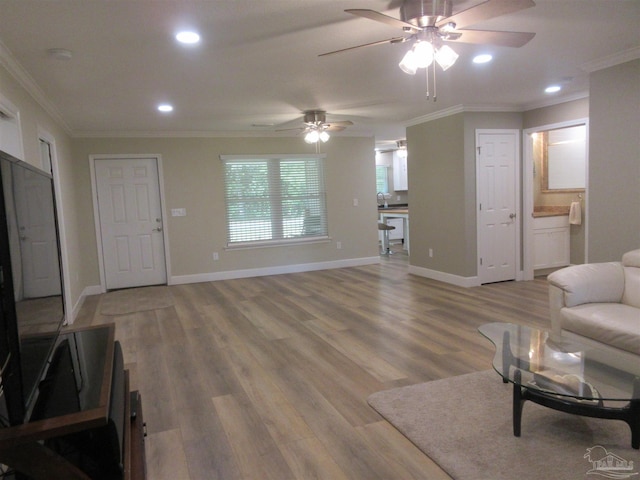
(38, 236)
(496, 167)
(130, 213)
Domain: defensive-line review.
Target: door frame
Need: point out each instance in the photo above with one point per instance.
(517, 192)
(527, 191)
(69, 312)
(96, 212)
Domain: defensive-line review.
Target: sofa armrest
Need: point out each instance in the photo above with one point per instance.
(589, 283)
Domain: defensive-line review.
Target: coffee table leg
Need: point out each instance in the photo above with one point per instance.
(518, 401)
(634, 415)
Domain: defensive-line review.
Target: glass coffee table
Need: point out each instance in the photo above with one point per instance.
(564, 375)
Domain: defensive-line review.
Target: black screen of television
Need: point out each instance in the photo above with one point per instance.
(32, 303)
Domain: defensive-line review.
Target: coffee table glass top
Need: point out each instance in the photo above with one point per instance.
(564, 368)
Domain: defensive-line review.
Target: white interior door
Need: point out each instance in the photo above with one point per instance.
(130, 221)
(497, 154)
(37, 232)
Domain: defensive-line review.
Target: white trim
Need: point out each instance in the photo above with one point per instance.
(612, 60)
(13, 116)
(96, 215)
(44, 135)
(276, 270)
(465, 282)
(271, 156)
(517, 192)
(29, 84)
(527, 191)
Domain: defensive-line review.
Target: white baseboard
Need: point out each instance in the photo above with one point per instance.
(261, 272)
(92, 290)
(457, 280)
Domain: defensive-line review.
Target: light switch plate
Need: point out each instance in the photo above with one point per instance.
(178, 212)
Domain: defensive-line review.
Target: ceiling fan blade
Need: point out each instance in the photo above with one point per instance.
(485, 11)
(389, 40)
(343, 123)
(381, 17)
(502, 39)
(334, 128)
(289, 129)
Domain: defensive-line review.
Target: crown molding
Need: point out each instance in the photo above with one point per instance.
(199, 134)
(612, 60)
(29, 84)
(551, 101)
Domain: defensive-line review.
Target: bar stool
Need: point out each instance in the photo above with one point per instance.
(385, 237)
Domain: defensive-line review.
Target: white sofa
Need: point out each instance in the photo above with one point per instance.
(599, 305)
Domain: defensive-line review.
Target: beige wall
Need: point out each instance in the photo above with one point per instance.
(436, 166)
(614, 162)
(442, 189)
(35, 121)
(193, 179)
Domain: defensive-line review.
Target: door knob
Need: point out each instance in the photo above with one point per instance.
(159, 229)
(512, 216)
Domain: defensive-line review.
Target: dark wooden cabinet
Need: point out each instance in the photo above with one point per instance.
(106, 429)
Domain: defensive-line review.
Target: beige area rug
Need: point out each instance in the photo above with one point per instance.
(464, 424)
(132, 300)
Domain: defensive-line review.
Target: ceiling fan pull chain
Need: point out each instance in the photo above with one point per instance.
(427, 77)
(435, 92)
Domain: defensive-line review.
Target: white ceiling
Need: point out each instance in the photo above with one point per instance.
(258, 63)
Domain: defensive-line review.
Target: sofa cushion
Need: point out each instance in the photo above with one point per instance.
(631, 295)
(631, 259)
(590, 283)
(614, 324)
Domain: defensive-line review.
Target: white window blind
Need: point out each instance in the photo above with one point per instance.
(274, 199)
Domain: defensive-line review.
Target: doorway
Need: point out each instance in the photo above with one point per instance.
(537, 183)
(497, 204)
(128, 208)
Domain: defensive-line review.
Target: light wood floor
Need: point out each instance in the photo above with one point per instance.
(267, 378)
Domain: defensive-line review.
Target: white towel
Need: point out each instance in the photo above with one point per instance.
(575, 214)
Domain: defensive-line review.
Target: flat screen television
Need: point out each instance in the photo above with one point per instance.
(31, 287)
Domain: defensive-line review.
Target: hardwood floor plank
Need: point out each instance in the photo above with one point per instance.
(257, 456)
(268, 377)
(399, 452)
(165, 456)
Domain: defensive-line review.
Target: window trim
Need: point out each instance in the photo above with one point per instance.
(250, 244)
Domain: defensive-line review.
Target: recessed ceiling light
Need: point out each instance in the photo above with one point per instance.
(165, 108)
(552, 89)
(483, 58)
(188, 37)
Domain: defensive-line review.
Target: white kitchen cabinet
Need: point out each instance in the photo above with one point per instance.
(551, 242)
(400, 179)
(398, 233)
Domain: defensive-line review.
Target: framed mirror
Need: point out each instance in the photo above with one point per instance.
(564, 153)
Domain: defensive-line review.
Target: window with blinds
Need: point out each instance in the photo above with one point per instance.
(274, 199)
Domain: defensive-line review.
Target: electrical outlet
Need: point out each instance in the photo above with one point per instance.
(355, 202)
(216, 256)
(339, 245)
(431, 253)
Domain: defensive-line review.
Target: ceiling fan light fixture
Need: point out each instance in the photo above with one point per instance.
(312, 136)
(446, 57)
(324, 136)
(424, 53)
(408, 64)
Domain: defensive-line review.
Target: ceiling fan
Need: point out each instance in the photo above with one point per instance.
(316, 128)
(435, 18)
(430, 23)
